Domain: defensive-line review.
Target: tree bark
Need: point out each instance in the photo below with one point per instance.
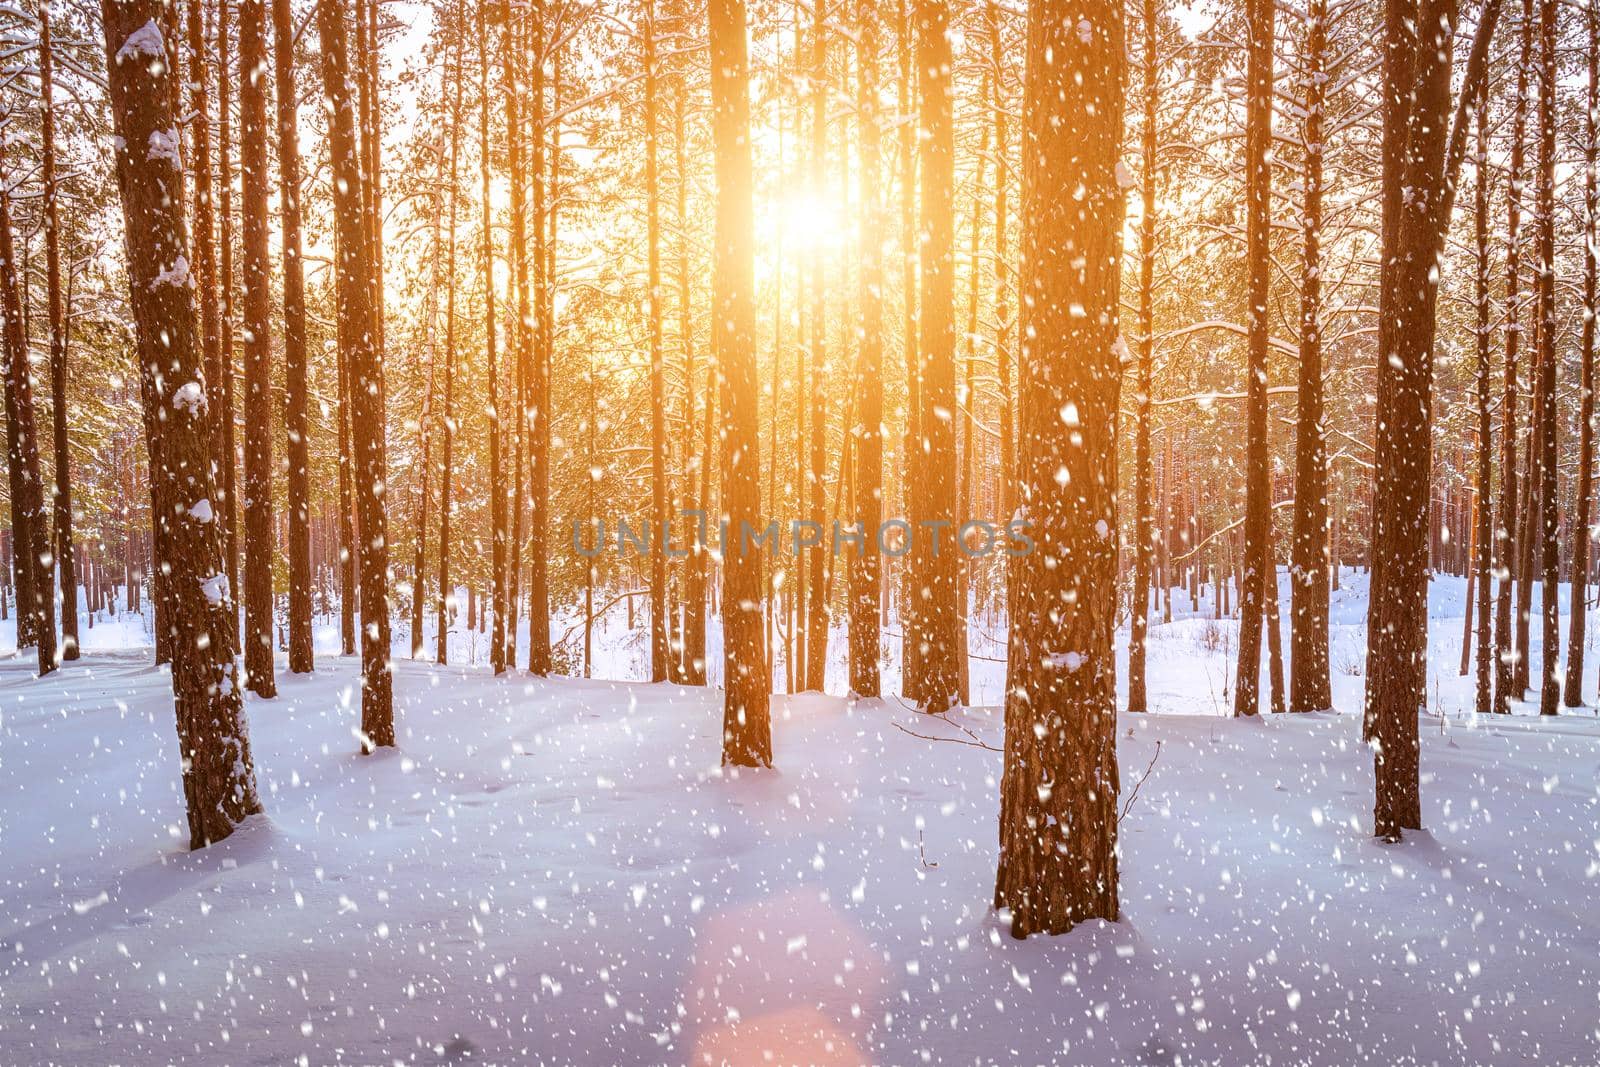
(1422, 152)
(357, 330)
(1058, 790)
(222, 387)
(746, 719)
(65, 559)
(497, 481)
(1506, 541)
(1549, 519)
(30, 522)
(699, 478)
(295, 422)
(659, 650)
(259, 542)
(936, 623)
(219, 775)
(1581, 533)
(1484, 509)
(866, 570)
(1310, 685)
(1258, 262)
(447, 418)
(816, 621)
(539, 411)
(1143, 515)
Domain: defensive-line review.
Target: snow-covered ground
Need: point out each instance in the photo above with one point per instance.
(558, 872)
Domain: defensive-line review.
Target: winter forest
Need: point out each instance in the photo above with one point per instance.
(799, 532)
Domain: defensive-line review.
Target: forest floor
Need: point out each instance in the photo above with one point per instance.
(559, 872)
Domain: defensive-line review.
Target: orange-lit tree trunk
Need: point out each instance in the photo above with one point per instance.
(1143, 515)
(222, 387)
(1484, 511)
(1579, 567)
(937, 621)
(30, 525)
(816, 622)
(1506, 541)
(259, 540)
(1258, 263)
(357, 330)
(1058, 789)
(659, 651)
(911, 454)
(295, 428)
(447, 417)
(866, 585)
(1548, 519)
(539, 413)
(1002, 288)
(66, 564)
(746, 718)
(1422, 152)
(1310, 685)
(497, 481)
(699, 469)
(218, 773)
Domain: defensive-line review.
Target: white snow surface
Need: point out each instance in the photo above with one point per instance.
(558, 871)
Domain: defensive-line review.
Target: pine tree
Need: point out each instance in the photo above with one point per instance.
(866, 576)
(64, 552)
(28, 519)
(1310, 687)
(358, 337)
(1143, 516)
(746, 720)
(935, 624)
(1058, 790)
(1579, 566)
(1548, 519)
(219, 775)
(259, 540)
(1258, 263)
(1422, 152)
(295, 421)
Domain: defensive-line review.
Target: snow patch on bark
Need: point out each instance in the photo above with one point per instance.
(1067, 661)
(177, 277)
(201, 512)
(164, 146)
(145, 42)
(215, 588)
(190, 398)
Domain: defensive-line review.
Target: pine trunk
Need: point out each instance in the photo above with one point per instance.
(258, 526)
(1143, 514)
(1581, 534)
(1310, 686)
(219, 775)
(65, 558)
(746, 720)
(866, 570)
(1549, 518)
(937, 620)
(357, 335)
(295, 420)
(1258, 263)
(1058, 790)
(28, 516)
